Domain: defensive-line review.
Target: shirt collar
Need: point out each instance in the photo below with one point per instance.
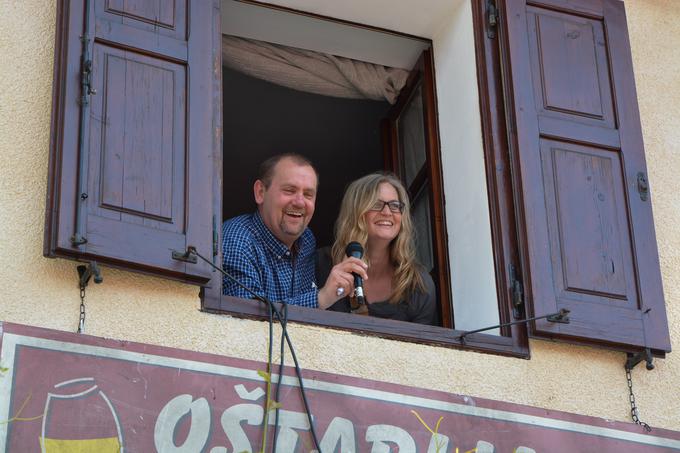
(274, 244)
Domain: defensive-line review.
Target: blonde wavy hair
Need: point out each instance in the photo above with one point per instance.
(351, 226)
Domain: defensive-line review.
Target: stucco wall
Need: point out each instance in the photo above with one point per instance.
(43, 292)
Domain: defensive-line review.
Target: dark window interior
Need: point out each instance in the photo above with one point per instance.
(261, 119)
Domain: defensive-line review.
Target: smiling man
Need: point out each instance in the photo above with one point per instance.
(272, 251)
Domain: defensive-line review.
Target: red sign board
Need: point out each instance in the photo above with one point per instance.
(67, 392)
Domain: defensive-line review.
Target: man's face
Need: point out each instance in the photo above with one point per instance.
(287, 205)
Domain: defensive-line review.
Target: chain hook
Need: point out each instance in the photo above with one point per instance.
(84, 275)
(631, 362)
(81, 322)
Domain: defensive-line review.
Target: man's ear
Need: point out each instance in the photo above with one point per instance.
(258, 191)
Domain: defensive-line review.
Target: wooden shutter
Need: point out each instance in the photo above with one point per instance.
(411, 146)
(147, 135)
(579, 165)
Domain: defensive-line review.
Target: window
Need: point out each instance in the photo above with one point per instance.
(135, 171)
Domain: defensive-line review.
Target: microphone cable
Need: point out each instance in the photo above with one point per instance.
(284, 333)
(284, 310)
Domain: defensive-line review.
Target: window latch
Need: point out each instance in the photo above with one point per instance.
(215, 237)
(491, 19)
(517, 293)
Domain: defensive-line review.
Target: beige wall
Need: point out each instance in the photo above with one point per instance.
(43, 292)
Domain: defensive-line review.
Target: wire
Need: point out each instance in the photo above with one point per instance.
(302, 390)
(268, 398)
(560, 316)
(284, 308)
(284, 333)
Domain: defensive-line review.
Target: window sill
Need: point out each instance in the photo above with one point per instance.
(383, 328)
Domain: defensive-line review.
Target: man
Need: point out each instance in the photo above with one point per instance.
(272, 251)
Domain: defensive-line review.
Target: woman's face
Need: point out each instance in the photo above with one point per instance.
(385, 224)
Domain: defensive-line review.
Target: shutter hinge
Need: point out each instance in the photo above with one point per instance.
(86, 76)
(517, 293)
(491, 19)
(215, 237)
(85, 272)
(642, 186)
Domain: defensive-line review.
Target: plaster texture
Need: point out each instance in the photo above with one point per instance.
(43, 292)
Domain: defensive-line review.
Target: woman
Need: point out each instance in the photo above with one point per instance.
(375, 212)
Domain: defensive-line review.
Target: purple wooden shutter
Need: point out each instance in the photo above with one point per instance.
(148, 135)
(577, 153)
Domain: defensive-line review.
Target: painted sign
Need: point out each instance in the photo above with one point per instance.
(64, 392)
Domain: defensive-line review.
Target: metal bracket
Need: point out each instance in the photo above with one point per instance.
(187, 257)
(642, 186)
(634, 359)
(86, 272)
(560, 317)
(491, 18)
(87, 76)
(78, 239)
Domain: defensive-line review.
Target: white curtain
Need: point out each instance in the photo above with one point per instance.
(313, 72)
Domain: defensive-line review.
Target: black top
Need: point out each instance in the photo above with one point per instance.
(419, 307)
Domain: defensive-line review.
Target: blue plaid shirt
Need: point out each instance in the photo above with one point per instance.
(256, 258)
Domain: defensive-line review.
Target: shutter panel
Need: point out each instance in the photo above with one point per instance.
(147, 135)
(590, 242)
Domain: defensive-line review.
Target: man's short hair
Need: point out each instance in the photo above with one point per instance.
(266, 171)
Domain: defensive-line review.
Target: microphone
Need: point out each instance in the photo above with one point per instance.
(357, 251)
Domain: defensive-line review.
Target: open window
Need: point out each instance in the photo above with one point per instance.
(407, 141)
(524, 159)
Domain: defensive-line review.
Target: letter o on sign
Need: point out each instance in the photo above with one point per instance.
(169, 418)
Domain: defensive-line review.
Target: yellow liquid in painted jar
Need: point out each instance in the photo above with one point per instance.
(102, 445)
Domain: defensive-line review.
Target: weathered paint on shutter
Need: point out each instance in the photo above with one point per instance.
(148, 136)
(590, 242)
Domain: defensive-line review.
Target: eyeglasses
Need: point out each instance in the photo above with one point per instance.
(394, 206)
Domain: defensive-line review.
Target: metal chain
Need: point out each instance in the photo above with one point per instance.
(633, 407)
(81, 323)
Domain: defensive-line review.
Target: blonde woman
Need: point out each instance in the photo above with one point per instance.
(375, 212)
